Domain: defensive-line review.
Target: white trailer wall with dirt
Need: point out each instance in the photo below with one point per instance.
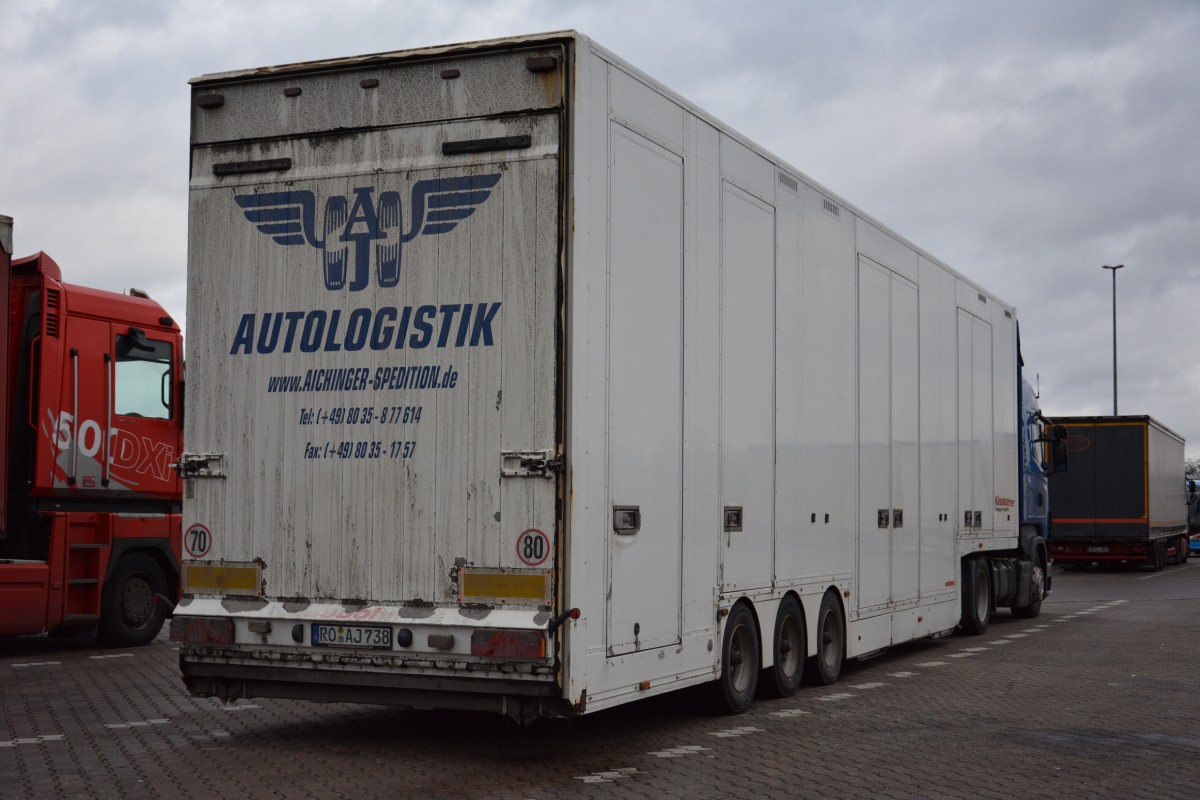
(761, 393)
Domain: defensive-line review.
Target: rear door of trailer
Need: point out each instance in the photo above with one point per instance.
(373, 343)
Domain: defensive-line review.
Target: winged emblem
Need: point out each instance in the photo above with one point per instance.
(356, 227)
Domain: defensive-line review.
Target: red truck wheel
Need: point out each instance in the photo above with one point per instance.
(129, 614)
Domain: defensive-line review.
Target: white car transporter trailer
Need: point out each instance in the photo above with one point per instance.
(517, 382)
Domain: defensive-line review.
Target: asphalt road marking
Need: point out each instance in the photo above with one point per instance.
(973, 649)
(902, 674)
(868, 685)
(791, 712)
(239, 708)
(115, 655)
(36, 664)
(933, 664)
(833, 698)
(961, 655)
(56, 737)
(1001, 641)
(676, 752)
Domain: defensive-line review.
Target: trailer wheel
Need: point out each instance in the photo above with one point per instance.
(1180, 550)
(740, 662)
(129, 615)
(1037, 591)
(976, 597)
(1184, 544)
(1158, 556)
(824, 666)
(789, 649)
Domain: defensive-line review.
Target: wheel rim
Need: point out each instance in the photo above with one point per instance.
(788, 656)
(981, 596)
(829, 647)
(1039, 582)
(137, 601)
(740, 658)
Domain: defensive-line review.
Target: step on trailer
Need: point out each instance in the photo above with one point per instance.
(519, 383)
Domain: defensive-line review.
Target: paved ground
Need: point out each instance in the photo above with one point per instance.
(1099, 697)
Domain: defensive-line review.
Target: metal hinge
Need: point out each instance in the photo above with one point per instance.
(201, 465)
(528, 464)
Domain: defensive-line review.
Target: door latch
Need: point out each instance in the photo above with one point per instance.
(528, 464)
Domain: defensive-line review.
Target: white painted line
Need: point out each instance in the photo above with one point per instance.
(239, 708)
(676, 752)
(114, 655)
(1001, 641)
(868, 685)
(1153, 575)
(933, 664)
(731, 732)
(119, 725)
(902, 674)
(36, 664)
(1039, 627)
(1017, 636)
(56, 737)
(961, 655)
(791, 712)
(974, 649)
(833, 698)
(1069, 616)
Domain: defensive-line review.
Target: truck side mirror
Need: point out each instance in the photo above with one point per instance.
(1058, 455)
(1060, 433)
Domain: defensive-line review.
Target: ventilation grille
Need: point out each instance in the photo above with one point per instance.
(832, 207)
(982, 299)
(789, 182)
(1008, 315)
(53, 302)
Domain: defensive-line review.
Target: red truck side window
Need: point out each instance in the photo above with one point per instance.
(142, 383)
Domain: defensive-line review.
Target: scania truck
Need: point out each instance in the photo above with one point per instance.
(517, 382)
(90, 426)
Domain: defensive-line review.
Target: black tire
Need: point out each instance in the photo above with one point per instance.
(129, 615)
(825, 665)
(740, 662)
(1184, 544)
(1158, 556)
(789, 650)
(1037, 591)
(976, 597)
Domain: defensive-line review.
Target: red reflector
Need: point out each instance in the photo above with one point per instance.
(196, 630)
(528, 645)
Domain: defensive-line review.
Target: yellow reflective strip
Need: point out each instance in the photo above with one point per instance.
(220, 578)
(500, 585)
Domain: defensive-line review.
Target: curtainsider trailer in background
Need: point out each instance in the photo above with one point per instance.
(520, 383)
(1122, 499)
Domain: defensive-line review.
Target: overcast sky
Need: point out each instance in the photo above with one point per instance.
(1025, 142)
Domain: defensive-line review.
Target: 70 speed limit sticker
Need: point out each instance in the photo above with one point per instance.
(198, 540)
(533, 547)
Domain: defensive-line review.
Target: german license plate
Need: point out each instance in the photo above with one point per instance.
(368, 636)
(1097, 549)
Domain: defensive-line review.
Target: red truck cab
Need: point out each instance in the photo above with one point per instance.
(90, 428)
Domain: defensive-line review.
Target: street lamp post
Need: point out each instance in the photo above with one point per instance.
(1114, 304)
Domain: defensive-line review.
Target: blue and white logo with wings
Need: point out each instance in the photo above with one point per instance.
(365, 224)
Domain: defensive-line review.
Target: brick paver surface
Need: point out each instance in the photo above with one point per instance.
(1098, 697)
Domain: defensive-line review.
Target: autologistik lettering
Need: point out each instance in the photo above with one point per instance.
(385, 328)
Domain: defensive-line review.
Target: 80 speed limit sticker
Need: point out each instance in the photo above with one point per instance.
(533, 547)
